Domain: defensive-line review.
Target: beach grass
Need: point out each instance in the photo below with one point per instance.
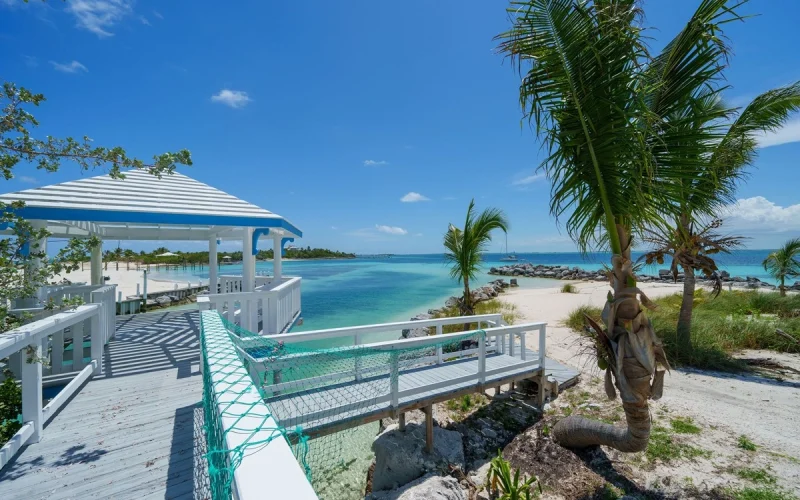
(733, 321)
(569, 288)
(508, 311)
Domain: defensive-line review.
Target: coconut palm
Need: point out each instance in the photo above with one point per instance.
(690, 240)
(610, 117)
(783, 263)
(466, 245)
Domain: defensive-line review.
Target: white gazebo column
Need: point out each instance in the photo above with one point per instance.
(97, 264)
(276, 259)
(212, 264)
(248, 261)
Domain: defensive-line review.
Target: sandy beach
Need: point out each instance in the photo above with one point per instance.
(765, 410)
(126, 280)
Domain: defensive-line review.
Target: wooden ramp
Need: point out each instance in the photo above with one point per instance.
(134, 432)
(336, 407)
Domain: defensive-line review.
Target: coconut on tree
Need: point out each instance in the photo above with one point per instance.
(466, 245)
(784, 263)
(615, 122)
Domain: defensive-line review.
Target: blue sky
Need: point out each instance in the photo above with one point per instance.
(332, 113)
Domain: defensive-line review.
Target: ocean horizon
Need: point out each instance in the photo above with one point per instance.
(363, 290)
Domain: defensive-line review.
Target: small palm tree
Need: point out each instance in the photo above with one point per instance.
(783, 263)
(465, 246)
(692, 247)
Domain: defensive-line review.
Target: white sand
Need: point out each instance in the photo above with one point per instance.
(125, 280)
(766, 410)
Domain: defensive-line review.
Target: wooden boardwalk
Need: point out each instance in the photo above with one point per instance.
(134, 432)
(336, 407)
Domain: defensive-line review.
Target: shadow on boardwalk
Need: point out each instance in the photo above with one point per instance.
(135, 431)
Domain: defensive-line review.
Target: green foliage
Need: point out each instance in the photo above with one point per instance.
(784, 263)
(495, 306)
(465, 246)
(665, 448)
(17, 145)
(10, 407)
(761, 476)
(762, 494)
(745, 443)
(500, 481)
(684, 425)
(732, 321)
(569, 288)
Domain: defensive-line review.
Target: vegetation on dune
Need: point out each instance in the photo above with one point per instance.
(495, 306)
(569, 288)
(732, 321)
(507, 485)
(465, 247)
(784, 263)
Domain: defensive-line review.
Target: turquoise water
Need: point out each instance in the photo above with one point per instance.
(339, 293)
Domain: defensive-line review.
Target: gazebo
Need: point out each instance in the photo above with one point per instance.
(144, 207)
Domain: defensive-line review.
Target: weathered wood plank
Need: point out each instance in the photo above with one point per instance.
(130, 433)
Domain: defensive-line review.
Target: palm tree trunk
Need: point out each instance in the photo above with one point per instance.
(632, 343)
(466, 303)
(783, 286)
(685, 315)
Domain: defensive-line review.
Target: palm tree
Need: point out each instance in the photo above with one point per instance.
(465, 246)
(729, 138)
(783, 263)
(692, 246)
(607, 112)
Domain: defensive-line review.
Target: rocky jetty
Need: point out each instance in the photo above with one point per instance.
(528, 270)
(484, 293)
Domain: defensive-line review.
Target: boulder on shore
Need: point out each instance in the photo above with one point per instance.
(425, 488)
(400, 456)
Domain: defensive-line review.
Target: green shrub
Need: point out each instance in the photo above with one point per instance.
(745, 443)
(684, 425)
(495, 306)
(507, 485)
(10, 407)
(569, 288)
(731, 322)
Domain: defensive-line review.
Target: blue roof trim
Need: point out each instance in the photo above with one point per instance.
(257, 233)
(88, 215)
(283, 242)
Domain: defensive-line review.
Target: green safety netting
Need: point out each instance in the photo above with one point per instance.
(306, 390)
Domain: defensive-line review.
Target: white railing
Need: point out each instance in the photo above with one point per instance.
(267, 310)
(500, 339)
(45, 342)
(233, 284)
(240, 417)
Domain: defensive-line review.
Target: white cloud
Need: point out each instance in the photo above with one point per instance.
(71, 67)
(27, 179)
(31, 61)
(788, 133)
(390, 229)
(232, 98)
(98, 16)
(158, 14)
(418, 234)
(449, 198)
(334, 228)
(759, 215)
(524, 181)
(144, 21)
(375, 163)
(413, 197)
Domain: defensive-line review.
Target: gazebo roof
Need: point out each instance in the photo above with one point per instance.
(144, 207)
